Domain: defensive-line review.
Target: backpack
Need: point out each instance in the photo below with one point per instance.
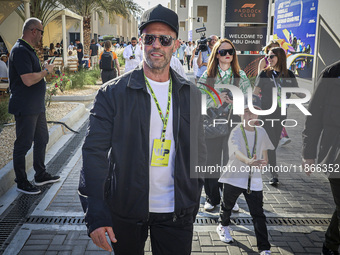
(106, 63)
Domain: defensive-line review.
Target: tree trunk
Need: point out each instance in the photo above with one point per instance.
(87, 34)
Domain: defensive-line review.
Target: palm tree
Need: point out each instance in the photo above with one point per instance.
(85, 8)
(45, 10)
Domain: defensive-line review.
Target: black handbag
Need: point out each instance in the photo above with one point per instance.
(219, 128)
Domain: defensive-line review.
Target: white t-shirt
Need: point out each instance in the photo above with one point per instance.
(161, 192)
(178, 67)
(236, 172)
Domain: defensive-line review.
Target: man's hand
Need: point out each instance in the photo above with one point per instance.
(49, 67)
(225, 98)
(306, 163)
(99, 238)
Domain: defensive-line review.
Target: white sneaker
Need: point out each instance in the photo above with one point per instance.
(208, 207)
(224, 233)
(236, 208)
(267, 252)
(284, 141)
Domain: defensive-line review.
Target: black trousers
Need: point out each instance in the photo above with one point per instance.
(255, 204)
(168, 237)
(29, 129)
(108, 75)
(273, 130)
(332, 235)
(188, 61)
(214, 157)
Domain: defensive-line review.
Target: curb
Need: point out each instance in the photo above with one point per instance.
(7, 175)
(74, 98)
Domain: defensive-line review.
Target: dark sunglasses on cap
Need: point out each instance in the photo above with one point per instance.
(270, 56)
(224, 52)
(42, 31)
(149, 39)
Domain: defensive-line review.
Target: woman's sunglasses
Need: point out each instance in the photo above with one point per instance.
(149, 39)
(270, 56)
(224, 52)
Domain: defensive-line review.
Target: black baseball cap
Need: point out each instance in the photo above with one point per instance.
(159, 14)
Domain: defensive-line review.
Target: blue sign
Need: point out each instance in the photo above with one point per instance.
(295, 23)
(190, 35)
(295, 30)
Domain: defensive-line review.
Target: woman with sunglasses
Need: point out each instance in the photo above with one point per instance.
(223, 68)
(276, 75)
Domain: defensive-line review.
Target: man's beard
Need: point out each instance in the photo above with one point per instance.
(158, 65)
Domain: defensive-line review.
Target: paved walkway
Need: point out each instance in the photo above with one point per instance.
(298, 210)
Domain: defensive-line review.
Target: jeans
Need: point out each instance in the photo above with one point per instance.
(214, 157)
(188, 61)
(274, 132)
(332, 235)
(167, 237)
(255, 204)
(29, 129)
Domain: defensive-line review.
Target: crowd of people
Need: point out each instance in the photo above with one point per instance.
(146, 133)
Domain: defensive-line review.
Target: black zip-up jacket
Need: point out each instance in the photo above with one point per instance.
(114, 180)
(325, 119)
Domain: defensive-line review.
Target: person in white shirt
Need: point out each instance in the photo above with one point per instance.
(70, 47)
(132, 55)
(3, 71)
(188, 51)
(177, 66)
(248, 145)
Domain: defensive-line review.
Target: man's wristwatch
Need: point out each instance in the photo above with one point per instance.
(47, 71)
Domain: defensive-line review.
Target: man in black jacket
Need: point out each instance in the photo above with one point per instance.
(145, 137)
(325, 122)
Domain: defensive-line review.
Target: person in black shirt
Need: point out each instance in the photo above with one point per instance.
(94, 53)
(27, 103)
(276, 75)
(80, 53)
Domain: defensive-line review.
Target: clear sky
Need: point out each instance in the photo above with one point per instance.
(147, 4)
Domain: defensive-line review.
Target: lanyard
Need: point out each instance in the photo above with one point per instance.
(278, 86)
(164, 120)
(248, 154)
(34, 52)
(133, 49)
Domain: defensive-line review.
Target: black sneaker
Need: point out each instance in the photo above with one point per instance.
(274, 181)
(45, 178)
(28, 188)
(326, 251)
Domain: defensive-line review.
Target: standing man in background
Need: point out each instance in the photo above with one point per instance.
(80, 54)
(180, 53)
(203, 56)
(27, 103)
(148, 110)
(132, 55)
(94, 53)
(188, 51)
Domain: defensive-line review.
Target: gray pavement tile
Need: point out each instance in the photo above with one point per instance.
(40, 247)
(37, 242)
(205, 240)
(32, 253)
(35, 235)
(78, 249)
(60, 247)
(286, 251)
(234, 250)
(51, 253)
(296, 247)
(214, 249)
(195, 246)
(97, 253)
(58, 239)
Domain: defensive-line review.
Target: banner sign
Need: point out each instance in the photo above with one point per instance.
(247, 38)
(249, 11)
(295, 23)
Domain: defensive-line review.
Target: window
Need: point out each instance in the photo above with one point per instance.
(202, 11)
(183, 3)
(182, 25)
